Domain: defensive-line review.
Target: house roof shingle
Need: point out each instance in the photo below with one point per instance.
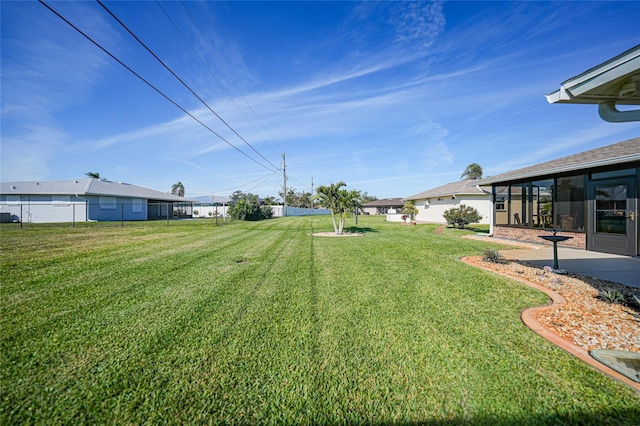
(621, 152)
(86, 186)
(385, 202)
(466, 187)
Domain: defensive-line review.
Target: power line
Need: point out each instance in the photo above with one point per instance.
(148, 83)
(181, 81)
(262, 179)
(211, 72)
(215, 53)
(232, 80)
(213, 50)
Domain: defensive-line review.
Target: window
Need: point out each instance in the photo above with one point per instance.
(501, 195)
(549, 203)
(542, 203)
(570, 198)
(136, 205)
(611, 204)
(108, 203)
(519, 196)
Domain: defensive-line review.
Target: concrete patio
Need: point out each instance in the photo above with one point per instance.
(620, 269)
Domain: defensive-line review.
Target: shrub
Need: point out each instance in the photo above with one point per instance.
(246, 209)
(462, 216)
(612, 296)
(493, 256)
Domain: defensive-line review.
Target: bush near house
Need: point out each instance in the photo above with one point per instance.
(462, 216)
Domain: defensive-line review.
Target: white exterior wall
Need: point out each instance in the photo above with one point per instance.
(370, 210)
(33, 210)
(433, 212)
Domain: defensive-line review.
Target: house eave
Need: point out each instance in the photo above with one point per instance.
(588, 86)
(564, 169)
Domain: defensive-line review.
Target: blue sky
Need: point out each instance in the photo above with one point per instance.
(392, 98)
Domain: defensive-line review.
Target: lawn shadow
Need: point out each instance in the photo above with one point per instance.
(359, 230)
(479, 230)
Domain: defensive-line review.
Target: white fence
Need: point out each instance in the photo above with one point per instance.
(298, 211)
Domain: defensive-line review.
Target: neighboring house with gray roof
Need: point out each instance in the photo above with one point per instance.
(383, 206)
(590, 196)
(432, 203)
(86, 199)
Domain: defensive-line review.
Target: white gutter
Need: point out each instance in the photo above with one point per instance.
(624, 64)
(616, 81)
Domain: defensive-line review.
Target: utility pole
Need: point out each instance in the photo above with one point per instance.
(284, 177)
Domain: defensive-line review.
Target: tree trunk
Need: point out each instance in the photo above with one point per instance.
(335, 226)
(342, 217)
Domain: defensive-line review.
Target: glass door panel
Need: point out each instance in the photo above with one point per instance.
(611, 208)
(613, 227)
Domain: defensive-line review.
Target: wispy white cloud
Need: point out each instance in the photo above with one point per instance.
(42, 78)
(389, 98)
(549, 148)
(418, 23)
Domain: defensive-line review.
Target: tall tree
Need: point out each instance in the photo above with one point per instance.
(237, 196)
(473, 171)
(177, 189)
(367, 198)
(269, 201)
(95, 175)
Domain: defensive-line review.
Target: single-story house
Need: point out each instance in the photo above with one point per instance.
(432, 203)
(86, 199)
(384, 206)
(591, 196)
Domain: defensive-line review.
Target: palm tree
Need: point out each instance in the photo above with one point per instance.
(94, 175)
(329, 197)
(177, 189)
(473, 171)
(410, 209)
(348, 201)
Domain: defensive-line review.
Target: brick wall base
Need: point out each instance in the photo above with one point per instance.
(579, 240)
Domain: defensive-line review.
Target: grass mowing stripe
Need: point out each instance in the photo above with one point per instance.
(262, 323)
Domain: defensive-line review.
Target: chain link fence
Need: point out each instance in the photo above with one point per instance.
(96, 214)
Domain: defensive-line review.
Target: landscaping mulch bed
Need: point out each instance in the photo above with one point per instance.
(584, 320)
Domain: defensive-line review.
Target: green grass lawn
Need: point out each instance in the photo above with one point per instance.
(263, 323)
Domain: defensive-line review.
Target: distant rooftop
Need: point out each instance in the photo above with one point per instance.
(466, 187)
(385, 202)
(86, 186)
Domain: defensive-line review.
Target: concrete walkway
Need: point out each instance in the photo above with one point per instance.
(620, 269)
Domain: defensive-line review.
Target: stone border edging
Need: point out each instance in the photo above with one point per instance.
(529, 317)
